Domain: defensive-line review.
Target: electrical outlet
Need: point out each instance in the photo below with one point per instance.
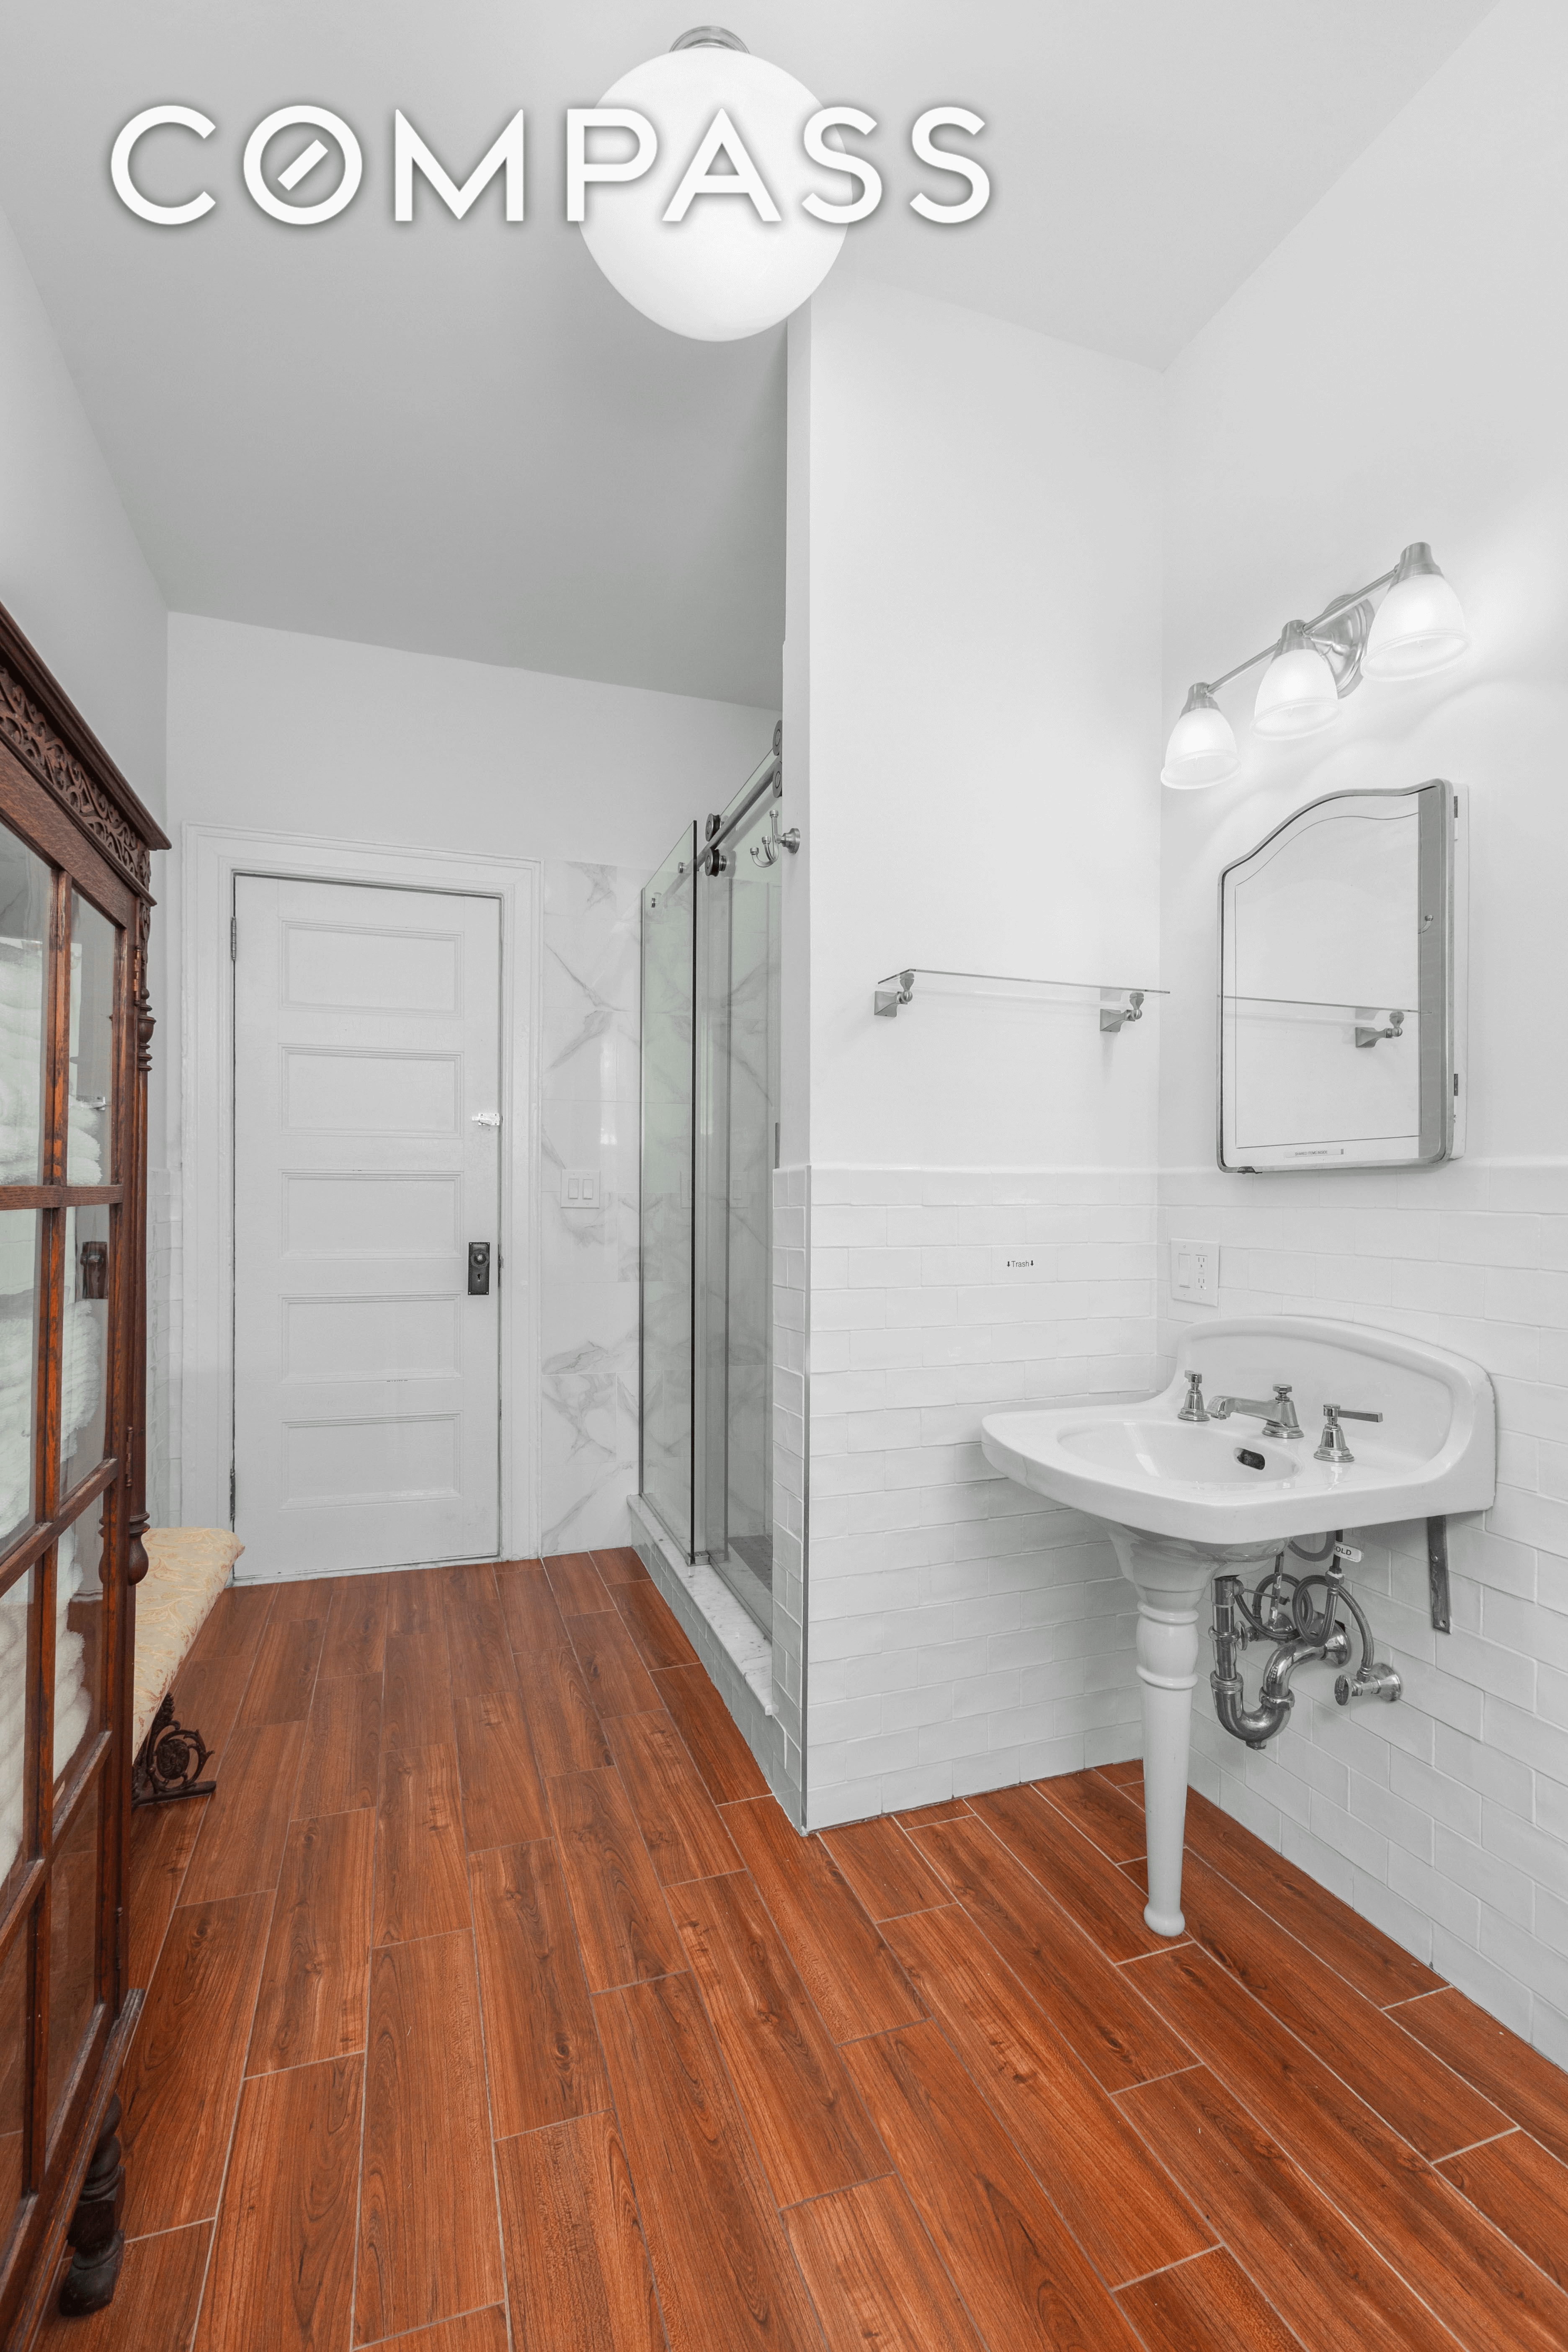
(1194, 1272)
(579, 1188)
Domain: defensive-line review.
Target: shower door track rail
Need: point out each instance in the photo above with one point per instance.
(768, 775)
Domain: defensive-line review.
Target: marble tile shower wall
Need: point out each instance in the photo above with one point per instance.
(1443, 1817)
(588, 1257)
(964, 1633)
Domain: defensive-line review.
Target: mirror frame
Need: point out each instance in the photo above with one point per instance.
(1443, 842)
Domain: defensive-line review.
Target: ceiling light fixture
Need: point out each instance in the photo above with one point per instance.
(727, 125)
(1313, 664)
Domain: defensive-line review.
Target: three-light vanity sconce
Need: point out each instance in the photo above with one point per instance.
(1419, 627)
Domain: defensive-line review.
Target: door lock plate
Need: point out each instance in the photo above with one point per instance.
(478, 1269)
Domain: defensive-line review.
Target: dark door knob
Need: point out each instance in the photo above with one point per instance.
(478, 1269)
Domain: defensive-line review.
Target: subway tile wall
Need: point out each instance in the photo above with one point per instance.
(791, 1296)
(1444, 1817)
(962, 1632)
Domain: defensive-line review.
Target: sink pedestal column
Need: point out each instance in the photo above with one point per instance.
(1171, 1582)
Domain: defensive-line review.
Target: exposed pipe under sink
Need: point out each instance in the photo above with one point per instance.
(1283, 1610)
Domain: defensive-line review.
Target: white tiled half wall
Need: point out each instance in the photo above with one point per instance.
(1443, 1818)
(962, 1632)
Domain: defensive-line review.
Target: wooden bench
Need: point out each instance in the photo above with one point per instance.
(188, 1568)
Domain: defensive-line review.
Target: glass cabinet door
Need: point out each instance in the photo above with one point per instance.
(64, 1022)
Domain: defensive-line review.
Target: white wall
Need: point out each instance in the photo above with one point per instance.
(72, 576)
(1398, 369)
(971, 748)
(315, 736)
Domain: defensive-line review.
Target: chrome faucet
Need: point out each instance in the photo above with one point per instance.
(1194, 1409)
(1331, 1446)
(1277, 1416)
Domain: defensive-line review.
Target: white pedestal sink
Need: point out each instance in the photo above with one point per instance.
(1182, 1498)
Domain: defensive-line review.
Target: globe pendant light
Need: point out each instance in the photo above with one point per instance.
(739, 254)
(1420, 626)
(1201, 749)
(1298, 695)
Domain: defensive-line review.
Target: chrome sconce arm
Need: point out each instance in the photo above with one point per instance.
(1314, 665)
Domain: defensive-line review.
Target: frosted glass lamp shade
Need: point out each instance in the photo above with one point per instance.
(1201, 749)
(722, 271)
(1420, 626)
(1298, 695)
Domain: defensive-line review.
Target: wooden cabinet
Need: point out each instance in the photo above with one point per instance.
(75, 1036)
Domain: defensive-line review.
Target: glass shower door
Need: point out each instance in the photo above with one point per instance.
(669, 1190)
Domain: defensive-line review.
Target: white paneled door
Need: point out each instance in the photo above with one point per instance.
(367, 1156)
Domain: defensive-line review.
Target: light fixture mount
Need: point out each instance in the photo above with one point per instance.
(1343, 641)
(710, 37)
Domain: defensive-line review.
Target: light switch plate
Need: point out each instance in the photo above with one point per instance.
(1194, 1272)
(579, 1188)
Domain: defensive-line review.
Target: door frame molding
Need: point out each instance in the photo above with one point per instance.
(210, 858)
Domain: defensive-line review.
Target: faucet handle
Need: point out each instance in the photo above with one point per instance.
(1193, 1408)
(1332, 1446)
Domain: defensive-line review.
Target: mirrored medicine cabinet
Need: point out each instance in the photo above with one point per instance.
(1341, 1001)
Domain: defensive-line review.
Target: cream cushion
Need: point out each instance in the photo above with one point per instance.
(188, 1568)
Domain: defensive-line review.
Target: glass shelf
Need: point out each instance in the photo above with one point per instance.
(1117, 1004)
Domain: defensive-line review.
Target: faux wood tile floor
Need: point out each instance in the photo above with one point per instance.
(493, 2001)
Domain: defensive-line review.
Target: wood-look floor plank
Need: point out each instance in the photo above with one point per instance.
(182, 2074)
(1427, 2104)
(428, 2240)
(1524, 2189)
(890, 1874)
(1516, 2078)
(805, 2113)
(356, 1627)
(710, 1730)
(284, 1674)
(723, 2267)
(1118, 2202)
(681, 1826)
(282, 2261)
(620, 1564)
(580, 1590)
(1478, 2283)
(1091, 1888)
(848, 1965)
(477, 1646)
(162, 1839)
(622, 1924)
(414, 1601)
(1126, 1775)
(246, 1820)
(476, 2331)
(155, 2302)
(561, 1718)
(1351, 1946)
(1289, 2236)
(575, 2261)
(1106, 1819)
(1021, 2274)
(1088, 2000)
(208, 1695)
(874, 2275)
(503, 1796)
(653, 1623)
(295, 1598)
(234, 1624)
(923, 1816)
(421, 1879)
(1207, 2306)
(616, 1677)
(340, 1770)
(312, 2001)
(416, 1691)
(540, 2042)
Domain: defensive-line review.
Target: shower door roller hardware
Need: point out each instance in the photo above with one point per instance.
(478, 1269)
(94, 1270)
(487, 1118)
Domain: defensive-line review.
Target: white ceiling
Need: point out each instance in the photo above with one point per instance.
(457, 438)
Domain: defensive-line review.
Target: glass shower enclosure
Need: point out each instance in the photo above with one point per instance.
(710, 1110)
